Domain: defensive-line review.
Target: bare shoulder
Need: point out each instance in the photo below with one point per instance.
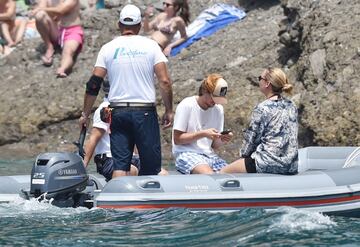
(179, 21)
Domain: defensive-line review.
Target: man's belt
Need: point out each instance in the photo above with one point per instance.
(102, 156)
(130, 104)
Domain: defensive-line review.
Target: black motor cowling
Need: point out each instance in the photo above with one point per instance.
(62, 176)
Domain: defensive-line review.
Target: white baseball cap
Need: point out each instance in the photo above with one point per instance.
(220, 90)
(130, 15)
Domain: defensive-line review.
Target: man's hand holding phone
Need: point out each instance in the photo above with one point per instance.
(225, 132)
(226, 135)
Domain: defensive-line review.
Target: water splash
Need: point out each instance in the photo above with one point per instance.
(35, 206)
(293, 220)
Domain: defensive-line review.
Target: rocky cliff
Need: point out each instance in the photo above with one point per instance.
(315, 42)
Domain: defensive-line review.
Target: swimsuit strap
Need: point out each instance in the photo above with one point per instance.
(275, 94)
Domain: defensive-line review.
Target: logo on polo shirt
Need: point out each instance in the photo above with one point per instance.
(125, 52)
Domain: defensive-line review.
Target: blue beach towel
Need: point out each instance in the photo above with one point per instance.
(208, 22)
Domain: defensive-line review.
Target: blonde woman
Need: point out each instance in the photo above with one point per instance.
(270, 143)
(165, 25)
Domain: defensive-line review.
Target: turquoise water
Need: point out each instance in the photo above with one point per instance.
(30, 223)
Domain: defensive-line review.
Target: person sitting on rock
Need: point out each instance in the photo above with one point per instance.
(166, 24)
(198, 123)
(59, 24)
(270, 143)
(12, 28)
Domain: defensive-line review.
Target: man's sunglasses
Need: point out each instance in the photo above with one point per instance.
(168, 4)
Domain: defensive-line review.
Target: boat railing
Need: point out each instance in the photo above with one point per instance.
(350, 161)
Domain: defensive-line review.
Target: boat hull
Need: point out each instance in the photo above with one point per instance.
(321, 195)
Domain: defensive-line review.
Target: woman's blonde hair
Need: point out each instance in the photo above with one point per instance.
(279, 81)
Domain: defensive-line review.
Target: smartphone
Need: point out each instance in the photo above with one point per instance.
(225, 132)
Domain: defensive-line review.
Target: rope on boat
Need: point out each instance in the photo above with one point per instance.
(354, 154)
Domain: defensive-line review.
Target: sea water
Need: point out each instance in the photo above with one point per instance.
(33, 223)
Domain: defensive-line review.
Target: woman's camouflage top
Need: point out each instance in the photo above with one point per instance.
(271, 139)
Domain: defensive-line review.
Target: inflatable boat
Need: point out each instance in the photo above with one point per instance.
(328, 181)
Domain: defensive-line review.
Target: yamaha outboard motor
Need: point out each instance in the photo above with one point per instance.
(62, 176)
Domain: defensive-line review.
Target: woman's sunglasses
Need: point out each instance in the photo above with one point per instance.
(261, 78)
(167, 5)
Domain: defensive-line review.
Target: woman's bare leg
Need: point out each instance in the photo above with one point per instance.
(238, 166)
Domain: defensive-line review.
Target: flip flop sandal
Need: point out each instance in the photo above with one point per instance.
(47, 61)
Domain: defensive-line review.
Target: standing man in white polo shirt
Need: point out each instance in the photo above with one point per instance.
(130, 62)
(198, 128)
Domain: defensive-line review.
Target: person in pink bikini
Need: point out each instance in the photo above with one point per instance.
(59, 24)
(166, 24)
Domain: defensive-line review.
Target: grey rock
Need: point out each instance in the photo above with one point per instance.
(330, 37)
(285, 39)
(113, 3)
(318, 63)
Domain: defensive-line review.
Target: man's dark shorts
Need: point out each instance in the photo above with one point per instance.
(136, 125)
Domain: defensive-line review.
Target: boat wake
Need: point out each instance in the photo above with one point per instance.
(294, 220)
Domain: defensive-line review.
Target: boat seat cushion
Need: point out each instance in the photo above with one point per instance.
(319, 158)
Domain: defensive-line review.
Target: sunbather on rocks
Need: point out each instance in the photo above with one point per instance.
(59, 24)
(12, 28)
(166, 24)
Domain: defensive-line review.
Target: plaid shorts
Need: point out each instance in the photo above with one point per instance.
(185, 162)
